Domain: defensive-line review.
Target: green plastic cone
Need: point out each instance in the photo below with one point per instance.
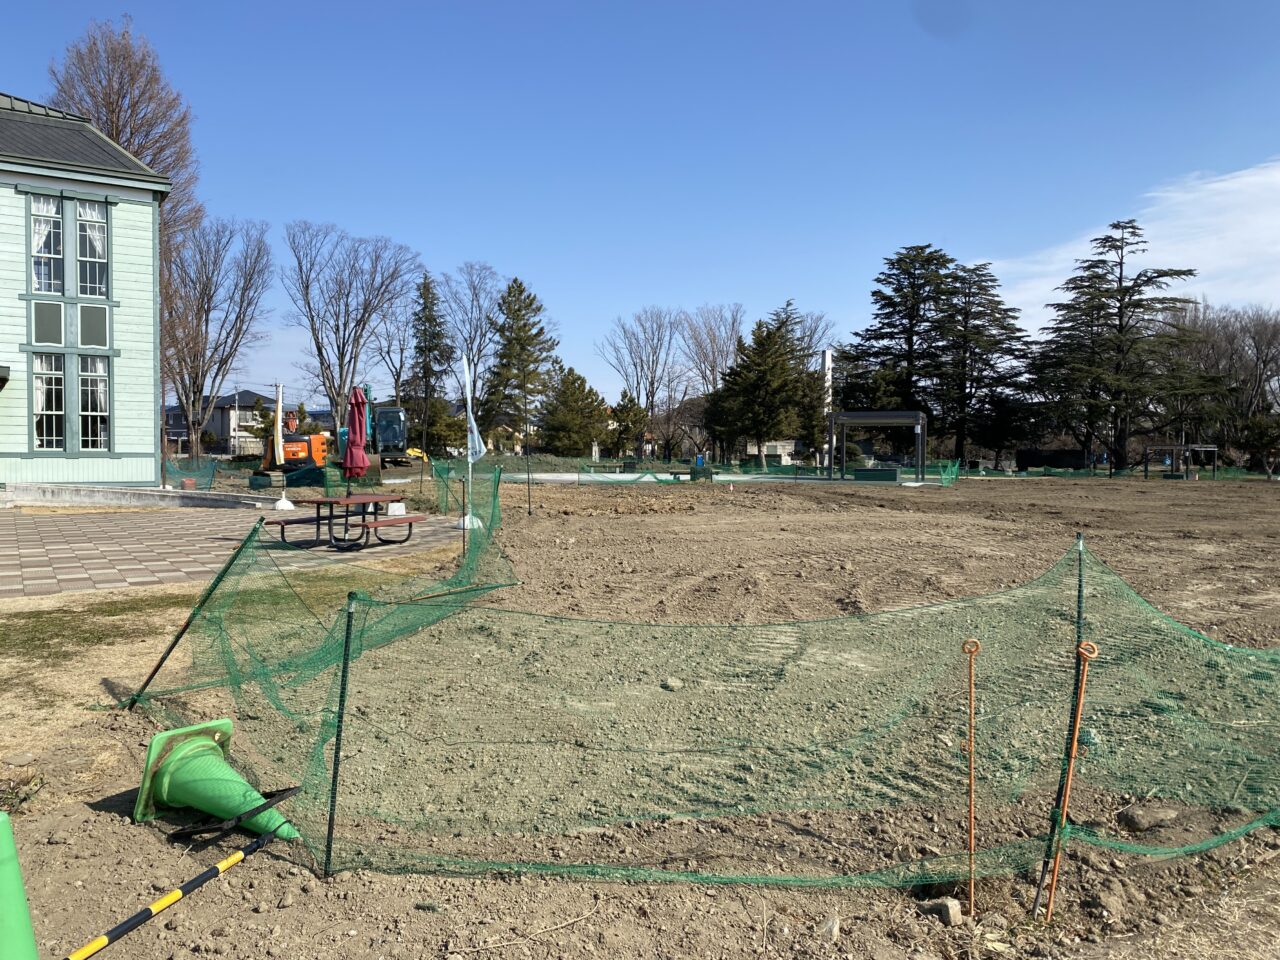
(17, 939)
(188, 768)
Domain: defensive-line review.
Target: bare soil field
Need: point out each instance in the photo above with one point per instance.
(1203, 553)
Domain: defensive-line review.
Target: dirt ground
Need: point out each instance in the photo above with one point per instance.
(1204, 553)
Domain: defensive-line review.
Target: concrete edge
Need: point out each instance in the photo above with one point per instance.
(61, 494)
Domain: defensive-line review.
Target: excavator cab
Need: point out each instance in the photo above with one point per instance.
(391, 435)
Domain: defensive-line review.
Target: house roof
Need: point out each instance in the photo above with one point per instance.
(33, 133)
(244, 398)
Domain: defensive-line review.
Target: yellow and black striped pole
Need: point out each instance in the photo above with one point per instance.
(169, 899)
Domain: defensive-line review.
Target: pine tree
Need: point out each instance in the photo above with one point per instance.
(912, 293)
(573, 417)
(433, 355)
(444, 431)
(630, 421)
(976, 343)
(1106, 338)
(518, 380)
(764, 388)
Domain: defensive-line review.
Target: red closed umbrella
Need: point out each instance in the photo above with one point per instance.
(355, 461)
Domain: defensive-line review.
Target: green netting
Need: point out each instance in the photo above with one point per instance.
(336, 484)
(823, 753)
(201, 471)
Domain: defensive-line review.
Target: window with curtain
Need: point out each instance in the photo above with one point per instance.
(48, 401)
(95, 408)
(91, 226)
(46, 244)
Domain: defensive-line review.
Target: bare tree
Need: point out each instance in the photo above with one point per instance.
(709, 341)
(643, 352)
(112, 76)
(814, 333)
(393, 341)
(220, 276)
(339, 286)
(469, 301)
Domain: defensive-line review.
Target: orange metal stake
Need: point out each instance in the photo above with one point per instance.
(1086, 652)
(971, 648)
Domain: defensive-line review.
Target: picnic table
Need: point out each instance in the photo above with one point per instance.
(363, 512)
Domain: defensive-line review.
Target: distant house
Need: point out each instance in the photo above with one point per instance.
(230, 424)
(79, 303)
(233, 422)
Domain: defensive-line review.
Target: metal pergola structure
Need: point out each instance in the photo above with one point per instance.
(873, 418)
(1181, 449)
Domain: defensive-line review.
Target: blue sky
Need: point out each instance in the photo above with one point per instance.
(616, 154)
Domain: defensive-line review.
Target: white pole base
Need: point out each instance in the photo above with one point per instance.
(284, 503)
(469, 522)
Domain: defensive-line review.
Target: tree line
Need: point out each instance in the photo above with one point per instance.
(1122, 358)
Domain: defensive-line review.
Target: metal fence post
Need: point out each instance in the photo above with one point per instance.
(337, 737)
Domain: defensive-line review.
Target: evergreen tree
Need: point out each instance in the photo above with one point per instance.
(629, 423)
(764, 388)
(444, 430)
(573, 416)
(433, 355)
(913, 289)
(518, 380)
(976, 344)
(1106, 339)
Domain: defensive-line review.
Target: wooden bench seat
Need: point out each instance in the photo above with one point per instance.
(389, 521)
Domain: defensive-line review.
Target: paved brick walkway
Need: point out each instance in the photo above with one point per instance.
(43, 553)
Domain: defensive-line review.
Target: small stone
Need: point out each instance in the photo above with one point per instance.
(1140, 819)
(672, 683)
(946, 909)
(60, 837)
(309, 886)
(286, 900)
(830, 931)
(262, 907)
(19, 759)
(1107, 902)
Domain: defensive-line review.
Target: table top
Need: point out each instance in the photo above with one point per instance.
(354, 500)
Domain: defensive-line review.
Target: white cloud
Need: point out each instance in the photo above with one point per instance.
(1226, 227)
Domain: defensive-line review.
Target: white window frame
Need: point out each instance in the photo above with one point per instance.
(62, 324)
(95, 425)
(38, 387)
(80, 325)
(39, 214)
(96, 290)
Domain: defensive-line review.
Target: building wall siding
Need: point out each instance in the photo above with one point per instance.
(13, 321)
(134, 454)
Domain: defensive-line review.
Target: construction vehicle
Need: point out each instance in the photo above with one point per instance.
(300, 449)
(390, 439)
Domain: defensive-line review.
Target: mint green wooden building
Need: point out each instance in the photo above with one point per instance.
(80, 398)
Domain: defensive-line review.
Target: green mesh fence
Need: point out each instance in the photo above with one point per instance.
(824, 753)
(336, 484)
(202, 472)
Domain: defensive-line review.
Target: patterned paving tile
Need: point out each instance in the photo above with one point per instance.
(50, 553)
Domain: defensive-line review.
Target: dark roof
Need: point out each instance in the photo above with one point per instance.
(245, 398)
(33, 133)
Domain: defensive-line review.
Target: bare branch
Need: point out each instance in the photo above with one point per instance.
(643, 352)
(469, 302)
(220, 277)
(339, 286)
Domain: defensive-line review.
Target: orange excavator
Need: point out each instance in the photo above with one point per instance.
(300, 449)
